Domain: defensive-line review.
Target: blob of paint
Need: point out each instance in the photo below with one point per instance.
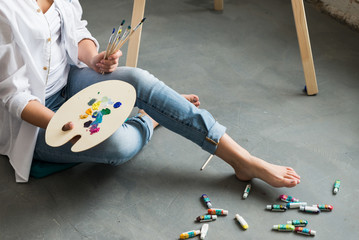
(105, 111)
(89, 111)
(96, 105)
(92, 101)
(87, 124)
(117, 104)
(94, 115)
(94, 129)
(98, 119)
(93, 126)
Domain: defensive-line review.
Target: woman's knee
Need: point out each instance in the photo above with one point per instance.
(120, 155)
(137, 77)
(126, 142)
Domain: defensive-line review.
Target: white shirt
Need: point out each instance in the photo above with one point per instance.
(24, 64)
(59, 68)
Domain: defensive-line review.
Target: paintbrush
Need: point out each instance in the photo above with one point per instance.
(109, 43)
(117, 37)
(205, 164)
(124, 39)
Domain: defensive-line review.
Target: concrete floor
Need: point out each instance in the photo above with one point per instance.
(244, 63)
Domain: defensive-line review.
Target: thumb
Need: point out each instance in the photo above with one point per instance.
(102, 54)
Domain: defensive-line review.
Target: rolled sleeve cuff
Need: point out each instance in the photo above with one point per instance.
(19, 102)
(85, 34)
(210, 144)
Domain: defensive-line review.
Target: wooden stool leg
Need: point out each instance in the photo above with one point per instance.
(134, 42)
(304, 45)
(218, 5)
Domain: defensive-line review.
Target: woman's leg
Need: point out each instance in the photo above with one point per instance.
(174, 112)
(162, 103)
(125, 143)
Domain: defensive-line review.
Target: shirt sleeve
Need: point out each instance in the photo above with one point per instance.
(14, 84)
(81, 30)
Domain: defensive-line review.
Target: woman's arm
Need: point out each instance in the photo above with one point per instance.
(88, 54)
(37, 114)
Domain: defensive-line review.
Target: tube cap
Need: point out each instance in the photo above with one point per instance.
(204, 230)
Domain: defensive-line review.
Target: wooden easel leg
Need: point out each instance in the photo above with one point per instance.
(218, 5)
(304, 45)
(134, 42)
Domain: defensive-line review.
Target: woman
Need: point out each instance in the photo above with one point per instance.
(47, 55)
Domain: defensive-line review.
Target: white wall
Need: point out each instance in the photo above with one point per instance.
(344, 10)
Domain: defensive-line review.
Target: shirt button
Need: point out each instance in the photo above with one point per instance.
(49, 39)
(38, 10)
(45, 68)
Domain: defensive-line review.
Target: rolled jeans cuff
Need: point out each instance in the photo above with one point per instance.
(147, 124)
(210, 143)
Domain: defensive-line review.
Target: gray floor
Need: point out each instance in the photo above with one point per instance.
(244, 63)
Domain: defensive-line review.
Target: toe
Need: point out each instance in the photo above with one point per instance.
(293, 175)
(291, 172)
(289, 182)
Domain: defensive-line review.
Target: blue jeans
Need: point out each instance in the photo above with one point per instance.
(163, 104)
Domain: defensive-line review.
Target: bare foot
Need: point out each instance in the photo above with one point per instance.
(192, 98)
(274, 175)
(154, 123)
(247, 166)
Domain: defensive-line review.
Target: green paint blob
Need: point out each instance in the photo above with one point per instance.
(105, 111)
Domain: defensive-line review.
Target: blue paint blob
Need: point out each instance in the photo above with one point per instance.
(117, 104)
(94, 115)
(98, 119)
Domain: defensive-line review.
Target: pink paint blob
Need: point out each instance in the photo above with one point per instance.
(94, 130)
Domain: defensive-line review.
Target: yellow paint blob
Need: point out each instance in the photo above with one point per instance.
(96, 105)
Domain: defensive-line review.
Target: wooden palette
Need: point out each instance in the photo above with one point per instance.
(96, 112)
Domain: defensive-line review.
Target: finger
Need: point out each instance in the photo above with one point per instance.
(116, 55)
(109, 62)
(112, 69)
(68, 126)
(102, 67)
(102, 54)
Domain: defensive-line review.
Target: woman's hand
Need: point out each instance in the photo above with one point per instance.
(101, 65)
(89, 55)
